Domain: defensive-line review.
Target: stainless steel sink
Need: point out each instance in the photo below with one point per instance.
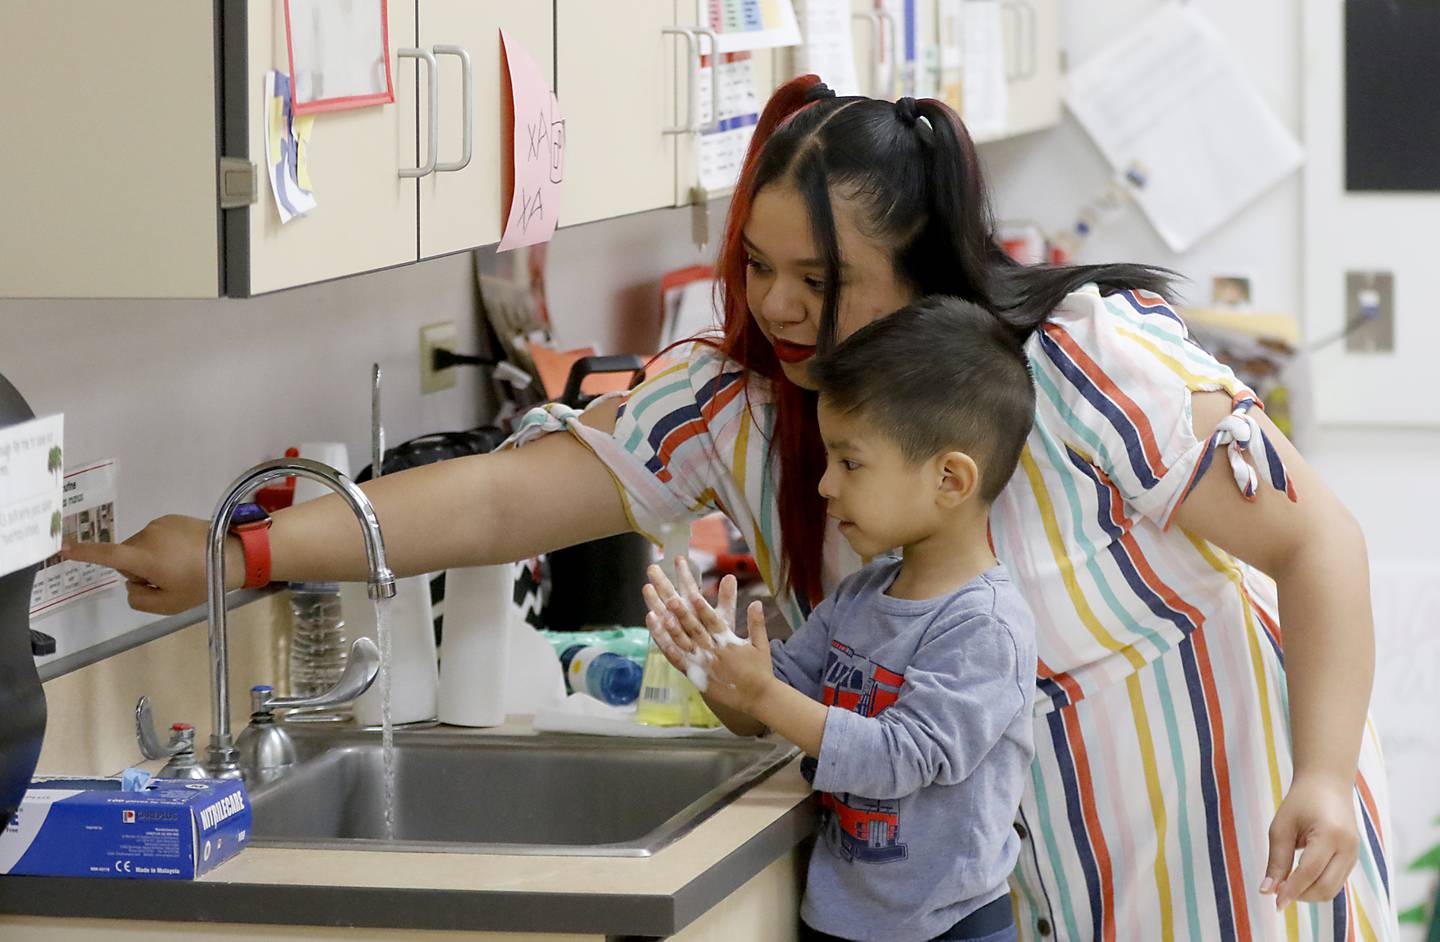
(458, 792)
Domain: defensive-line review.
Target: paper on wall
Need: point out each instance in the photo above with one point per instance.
(898, 49)
(828, 49)
(985, 95)
(743, 25)
(949, 32)
(31, 466)
(285, 153)
(537, 154)
(1167, 105)
(88, 516)
(722, 148)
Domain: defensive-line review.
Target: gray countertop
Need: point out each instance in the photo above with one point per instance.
(651, 896)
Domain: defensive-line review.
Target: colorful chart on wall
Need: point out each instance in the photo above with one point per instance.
(1392, 112)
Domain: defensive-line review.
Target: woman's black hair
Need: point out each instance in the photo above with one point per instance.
(913, 169)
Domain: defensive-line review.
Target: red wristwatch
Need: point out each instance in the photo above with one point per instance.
(251, 524)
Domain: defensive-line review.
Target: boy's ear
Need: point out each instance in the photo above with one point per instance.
(959, 479)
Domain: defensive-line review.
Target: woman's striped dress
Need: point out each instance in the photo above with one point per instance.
(1162, 732)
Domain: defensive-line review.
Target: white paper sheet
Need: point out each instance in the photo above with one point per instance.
(742, 25)
(722, 151)
(1166, 104)
(985, 96)
(31, 467)
(829, 44)
(338, 51)
(285, 150)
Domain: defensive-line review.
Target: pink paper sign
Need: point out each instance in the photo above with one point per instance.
(538, 151)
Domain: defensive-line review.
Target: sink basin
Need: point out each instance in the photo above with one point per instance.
(459, 792)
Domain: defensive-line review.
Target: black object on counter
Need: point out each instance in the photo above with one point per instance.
(599, 582)
(22, 699)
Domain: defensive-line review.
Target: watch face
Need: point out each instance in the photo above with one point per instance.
(248, 513)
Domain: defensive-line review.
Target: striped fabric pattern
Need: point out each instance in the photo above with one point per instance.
(1162, 734)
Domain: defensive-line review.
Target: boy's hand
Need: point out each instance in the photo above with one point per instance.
(692, 633)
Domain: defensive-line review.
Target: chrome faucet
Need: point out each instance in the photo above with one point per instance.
(222, 758)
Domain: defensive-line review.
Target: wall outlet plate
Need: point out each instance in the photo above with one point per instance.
(441, 336)
(1370, 307)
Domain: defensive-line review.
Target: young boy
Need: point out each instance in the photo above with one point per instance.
(910, 687)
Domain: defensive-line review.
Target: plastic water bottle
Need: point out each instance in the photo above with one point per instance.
(317, 643)
(608, 677)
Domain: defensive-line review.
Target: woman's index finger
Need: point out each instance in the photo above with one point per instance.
(119, 556)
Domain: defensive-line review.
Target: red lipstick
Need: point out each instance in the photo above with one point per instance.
(792, 352)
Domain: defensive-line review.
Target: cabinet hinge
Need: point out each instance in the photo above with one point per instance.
(239, 183)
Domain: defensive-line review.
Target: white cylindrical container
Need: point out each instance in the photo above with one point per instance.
(414, 678)
(479, 607)
(332, 453)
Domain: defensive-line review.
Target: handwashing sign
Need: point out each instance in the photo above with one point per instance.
(32, 467)
(89, 517)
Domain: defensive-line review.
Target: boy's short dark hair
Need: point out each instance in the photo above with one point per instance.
(940, 374)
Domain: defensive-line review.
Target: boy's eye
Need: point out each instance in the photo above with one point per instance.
(848, 464)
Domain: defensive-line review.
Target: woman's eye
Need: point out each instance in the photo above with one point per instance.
(755, 265)
(816, 285)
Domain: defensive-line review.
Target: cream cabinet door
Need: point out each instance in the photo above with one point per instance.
(463, 208)
(1032, 64)
(616, 81)
(107, 117)
(365, 213)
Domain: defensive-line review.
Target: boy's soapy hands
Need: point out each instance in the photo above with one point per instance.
(701, 641)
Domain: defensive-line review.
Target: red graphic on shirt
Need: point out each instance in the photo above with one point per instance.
(868, 829)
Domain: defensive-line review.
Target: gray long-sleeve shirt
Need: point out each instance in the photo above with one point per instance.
(926, 751)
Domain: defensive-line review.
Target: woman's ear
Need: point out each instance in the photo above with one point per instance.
(959, 479)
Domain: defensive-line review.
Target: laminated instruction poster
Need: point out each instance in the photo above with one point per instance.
(30, 475)
(87, 516)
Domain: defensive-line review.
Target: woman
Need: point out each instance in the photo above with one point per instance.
(1171, 788)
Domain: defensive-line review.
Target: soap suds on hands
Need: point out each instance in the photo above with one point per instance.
(697, 662)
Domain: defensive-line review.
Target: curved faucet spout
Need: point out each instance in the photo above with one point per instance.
(221, 759)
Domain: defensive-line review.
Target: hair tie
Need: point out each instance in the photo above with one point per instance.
(908, 111)
(818, 91)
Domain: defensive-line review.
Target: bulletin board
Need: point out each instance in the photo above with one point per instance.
(1392, 96)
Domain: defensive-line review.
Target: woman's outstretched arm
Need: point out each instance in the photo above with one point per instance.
(468, 511)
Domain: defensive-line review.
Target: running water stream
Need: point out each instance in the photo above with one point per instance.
(387, 728)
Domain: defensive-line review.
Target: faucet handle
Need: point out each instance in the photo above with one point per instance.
(150, 745)
(361, 667)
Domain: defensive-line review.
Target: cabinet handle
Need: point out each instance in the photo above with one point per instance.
(429, 165)
(692, 107)
(887, 19)
(1012, 68)
(1033, 35)
(1026, 38)
(467, 94)
(714, 76)
(877, 32)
